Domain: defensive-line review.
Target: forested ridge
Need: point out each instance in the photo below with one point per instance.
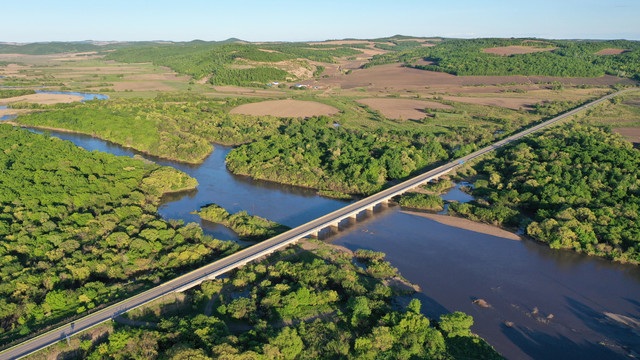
(80, 229)
(215, 60)
(297, 304)
(574, 187)
(568, 59)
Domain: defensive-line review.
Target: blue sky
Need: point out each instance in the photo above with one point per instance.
(287, 20)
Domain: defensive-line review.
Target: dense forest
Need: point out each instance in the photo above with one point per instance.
(80, 229)
(249, 227)
(567, 59)
(319, 155)
(216, 59)
(173, 126)
(296, 305)
(574, 187)
(421, 201)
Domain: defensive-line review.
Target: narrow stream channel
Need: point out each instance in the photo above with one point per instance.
(543, 303)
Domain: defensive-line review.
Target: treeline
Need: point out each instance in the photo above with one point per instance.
(574, 187)
(9, 93)
(420, 201)
(215, 59)
(174, 126)
(249, 227)
(569, 59)
(79, 229)
(316, 154)
(44, 48)
(314, 305)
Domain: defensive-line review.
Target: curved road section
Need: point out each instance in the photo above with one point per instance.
(266, 247)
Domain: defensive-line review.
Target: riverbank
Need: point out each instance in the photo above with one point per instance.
(67, 131)
(467, 224)
(43, 98)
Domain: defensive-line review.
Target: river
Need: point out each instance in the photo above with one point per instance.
(543, 303)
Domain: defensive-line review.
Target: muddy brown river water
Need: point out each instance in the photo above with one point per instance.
(540, 303)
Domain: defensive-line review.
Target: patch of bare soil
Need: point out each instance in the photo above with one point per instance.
(405, 109)
(630, 133)
(504, 102)
(285, 108)
(204, 80)
(142, 86)
(241, 66)
(612, 51)
(515, 49)
(103, 70)
(4, 112)
(468, 225)
(401, 284)
(44, 99)
(156, 77)
(341, 42)
(244, 91)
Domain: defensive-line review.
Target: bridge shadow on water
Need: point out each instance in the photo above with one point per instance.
(430, 307)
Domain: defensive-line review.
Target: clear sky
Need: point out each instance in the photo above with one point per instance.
(288, 20)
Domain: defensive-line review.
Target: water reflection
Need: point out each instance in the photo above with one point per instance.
(288, 205)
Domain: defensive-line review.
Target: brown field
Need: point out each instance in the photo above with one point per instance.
(611, 51)
(397, 77)
(515, 49)
(142, 86)
(285, 108)
(405, 109)
(4, 112)
(157, 77)
(237, 90)
(504, 102)
(630, 133)
(44, 99)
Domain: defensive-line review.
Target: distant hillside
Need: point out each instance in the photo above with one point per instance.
(232, 63)
(503, 57)
(44, 48)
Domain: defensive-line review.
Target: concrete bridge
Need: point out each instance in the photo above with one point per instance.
(264, 248)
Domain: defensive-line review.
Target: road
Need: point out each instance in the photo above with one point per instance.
(266, 247)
